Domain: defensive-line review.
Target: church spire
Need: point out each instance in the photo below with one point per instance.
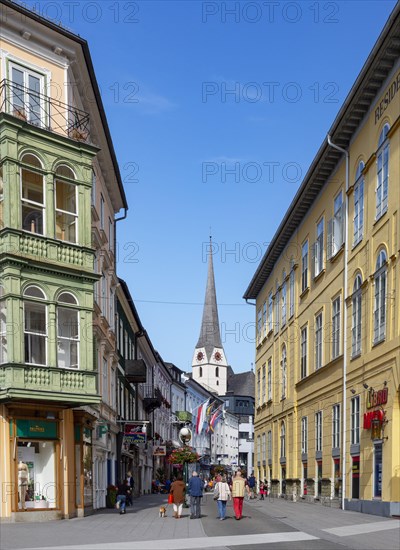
(210, 336)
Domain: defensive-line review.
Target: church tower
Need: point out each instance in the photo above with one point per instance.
(209, 363)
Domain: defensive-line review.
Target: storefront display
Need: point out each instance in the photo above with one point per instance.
(37, 486)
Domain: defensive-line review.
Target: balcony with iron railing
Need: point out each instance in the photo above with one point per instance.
(43, 111)
(152, 397)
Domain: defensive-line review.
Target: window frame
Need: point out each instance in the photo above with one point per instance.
(356, 317)
(318, 341)
(42, 302)
(382, 177)
(318, 431)
(269, 374)
(304, 266)
(358, 214)
(380, 299)
(304, 434)
(355, 420)
(25, 167)
(336, 426)
(284, 373)
(69, 181)
(3, 327)
(75, 308)
(336, 326)
(319, 247)
(303, 352)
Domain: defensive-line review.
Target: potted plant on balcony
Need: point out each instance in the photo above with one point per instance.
(78, 134)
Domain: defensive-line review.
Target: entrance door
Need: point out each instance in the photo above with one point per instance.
(378, 470)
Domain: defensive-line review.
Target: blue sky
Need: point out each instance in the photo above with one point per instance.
(216, 111)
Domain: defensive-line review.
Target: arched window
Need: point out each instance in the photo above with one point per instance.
(3, 327)
(284, 372)
(356, 318)
(283, 300)
(32, 195)
(380, 278)
(216, 372)
(35, 327)
(67, 332)
(200, 371)
(358, 219)
(66, 205)
(283, 440)
(382, 163)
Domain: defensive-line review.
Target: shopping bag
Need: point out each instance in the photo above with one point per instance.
(170, 498)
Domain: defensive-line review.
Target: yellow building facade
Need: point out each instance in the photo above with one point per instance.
(327, 418)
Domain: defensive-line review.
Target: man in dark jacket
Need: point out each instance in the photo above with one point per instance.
(252, 485)
(123, 492)
(195, 487)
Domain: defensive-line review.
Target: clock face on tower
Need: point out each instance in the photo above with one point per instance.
(218, 356)
(200, 356)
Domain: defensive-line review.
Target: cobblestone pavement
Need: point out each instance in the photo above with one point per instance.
(275, 524)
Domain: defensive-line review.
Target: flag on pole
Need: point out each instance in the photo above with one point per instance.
(216, 417)
(201, 416)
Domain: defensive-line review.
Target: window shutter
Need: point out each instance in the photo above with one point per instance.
(330, 243)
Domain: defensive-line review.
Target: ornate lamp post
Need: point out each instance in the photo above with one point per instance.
(185, 435)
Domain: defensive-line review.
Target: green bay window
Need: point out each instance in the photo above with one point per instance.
(35, 327)
(3, 328)
(32, 195)
(66, 205)
(67, 332)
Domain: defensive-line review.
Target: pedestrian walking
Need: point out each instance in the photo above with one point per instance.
(222, 494)
(195, 487)
(123, 492)
(239, 487)
(178, 493)
(252, 486)
(131, 484)
(262, 490)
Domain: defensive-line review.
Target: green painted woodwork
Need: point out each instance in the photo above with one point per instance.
(51, 264)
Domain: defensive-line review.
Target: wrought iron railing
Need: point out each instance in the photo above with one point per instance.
(43, 111)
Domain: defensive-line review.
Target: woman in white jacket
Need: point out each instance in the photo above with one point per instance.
(222, 494)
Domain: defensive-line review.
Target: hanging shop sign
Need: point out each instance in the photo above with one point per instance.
(36, 429)
(376, 398)
(160, 450)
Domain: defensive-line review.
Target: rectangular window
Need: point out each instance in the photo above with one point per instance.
(303, 356)
(336, 227)
(259, 387)
(355, 420)
(264, 445)
(104, 384)
(283, 299)
(304, 435)
(378, 470)
(291, 292)
(259, 448)
(358, 220)
(355, 477)
(304, 266)
(264, 319)
(121, 337)
(110, 235)
(259, 324)
(318, 341)
(336, 426)
(102, 212)
(382, 180)
(112, 304)
(319, 249)
(270, 310)
(263, 384)
(269, 379)
(103, 295)
(3, 330)
(356, 323)
(126, 344)
(66, 211)
(35, 333)
(269, 435)
(318, 431)
(276, 298)
(32, 201)
(336, 328)
(67, 338)
(26, 101)
(380, 280)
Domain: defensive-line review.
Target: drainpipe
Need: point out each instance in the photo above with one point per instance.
(345, 275)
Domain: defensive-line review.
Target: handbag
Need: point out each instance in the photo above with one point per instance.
(170, 498)
(216, 492)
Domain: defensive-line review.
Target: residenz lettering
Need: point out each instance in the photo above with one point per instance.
(387, 98)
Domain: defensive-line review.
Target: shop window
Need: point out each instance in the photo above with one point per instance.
(337, 478)
(305, 477)
(67, 333)
(36, 475)
(35, 327)
(32, 195)
(66, 205)
(319, 477)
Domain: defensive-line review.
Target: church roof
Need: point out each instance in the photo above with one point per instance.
(242, 383)
(210, 336)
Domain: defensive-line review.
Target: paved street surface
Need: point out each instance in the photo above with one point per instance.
(274, 524)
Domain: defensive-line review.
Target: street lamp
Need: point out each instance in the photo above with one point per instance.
(185, 435)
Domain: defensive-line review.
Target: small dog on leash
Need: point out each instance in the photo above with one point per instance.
(163, 511)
